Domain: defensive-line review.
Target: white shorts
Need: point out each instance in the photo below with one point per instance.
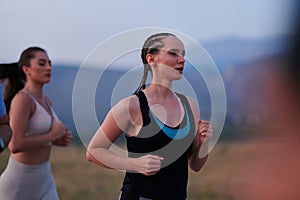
(27, 182)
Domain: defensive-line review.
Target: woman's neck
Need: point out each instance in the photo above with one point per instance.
(159, 90)
(35, 89)
(161, 86)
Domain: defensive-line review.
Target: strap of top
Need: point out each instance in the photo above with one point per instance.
(37, 103)
(183, 99)
(30, 95)
(144, 107)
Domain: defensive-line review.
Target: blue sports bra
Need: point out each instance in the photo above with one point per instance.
(174, 133)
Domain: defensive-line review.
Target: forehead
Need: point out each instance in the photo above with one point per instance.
(171, 42)
(41, 55)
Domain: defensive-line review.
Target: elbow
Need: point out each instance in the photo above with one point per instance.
(14, 147)
(197, 165)
(7, 135)
(89, 157)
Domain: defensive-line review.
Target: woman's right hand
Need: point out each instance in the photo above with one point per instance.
(57, 129)
(148, 164)
(64, 140)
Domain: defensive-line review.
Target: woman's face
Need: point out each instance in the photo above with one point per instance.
(40, 68)
(170, 59)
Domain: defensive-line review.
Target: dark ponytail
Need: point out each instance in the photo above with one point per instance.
(15, 76)
(151, 46)
(14, 83)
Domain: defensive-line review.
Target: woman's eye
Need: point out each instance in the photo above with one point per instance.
(172, 53)
(42, 64)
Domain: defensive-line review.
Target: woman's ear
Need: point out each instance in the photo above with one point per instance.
(25, 70)
(150, 58)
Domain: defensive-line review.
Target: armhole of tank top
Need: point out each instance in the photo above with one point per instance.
(184, 101)
(187, 105)
(33, 99)
(144, 107)
(27, 93)
(50, 108)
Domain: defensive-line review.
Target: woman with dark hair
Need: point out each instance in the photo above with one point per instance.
(35, 127)
(163, 131)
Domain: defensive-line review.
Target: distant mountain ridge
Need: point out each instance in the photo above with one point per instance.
(243, 66)
(234, 51)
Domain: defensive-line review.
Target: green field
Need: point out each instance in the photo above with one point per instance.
(77, 179)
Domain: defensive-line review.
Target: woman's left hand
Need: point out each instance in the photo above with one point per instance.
(65, 139)
(204, 131)
(201, 144)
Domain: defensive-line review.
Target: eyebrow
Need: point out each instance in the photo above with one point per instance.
(44, 60)
(177, 51)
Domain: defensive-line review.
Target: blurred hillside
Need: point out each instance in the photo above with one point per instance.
(245, 66)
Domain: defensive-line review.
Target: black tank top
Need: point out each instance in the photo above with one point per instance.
(171, 181)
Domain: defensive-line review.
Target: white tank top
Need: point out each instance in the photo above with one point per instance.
(41, 121)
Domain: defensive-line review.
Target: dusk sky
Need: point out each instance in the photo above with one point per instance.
(69, 30)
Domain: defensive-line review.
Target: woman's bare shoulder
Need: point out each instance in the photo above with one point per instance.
(128, 109)
(129, 103)
(22, 98)
(22, 104)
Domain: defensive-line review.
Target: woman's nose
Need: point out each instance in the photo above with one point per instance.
(49, 66)
(181, 59)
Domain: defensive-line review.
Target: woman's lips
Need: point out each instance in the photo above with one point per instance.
(180, 69)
